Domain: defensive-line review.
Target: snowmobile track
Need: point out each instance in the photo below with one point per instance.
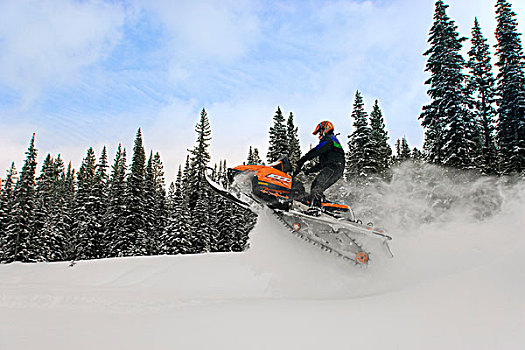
(318, 244)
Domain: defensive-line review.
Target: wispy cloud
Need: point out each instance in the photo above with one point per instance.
(46, 43)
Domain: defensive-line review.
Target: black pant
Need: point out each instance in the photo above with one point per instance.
(326, 178)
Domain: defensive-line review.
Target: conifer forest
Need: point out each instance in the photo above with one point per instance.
(122, 205)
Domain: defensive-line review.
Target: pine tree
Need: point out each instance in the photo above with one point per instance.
(6, 207)
(68, 188)
(256, 158)
(223, 179)
(294, 147)
(134, 241)
(481, 85)
(201, 237)
(54, 235)
(115, 216)
(249, 161)
(402, 151)
(175, 237)
(156, 199)
(417, 155)
(379, 139)
(44, 197)
(51, 228)
(278, 145)
(451, 134)
(253, 157)
(100, 200)
(149, 208)
(359, 158)
(199, 159)
(186, 177)
(84, 227)
(510, 91)
(19, 244)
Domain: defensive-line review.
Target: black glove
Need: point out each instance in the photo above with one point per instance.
(308, 171)
(297, 170)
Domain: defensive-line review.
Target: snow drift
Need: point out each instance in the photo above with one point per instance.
(457, 281)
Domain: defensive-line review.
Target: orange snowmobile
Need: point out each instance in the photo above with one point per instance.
(336, 230)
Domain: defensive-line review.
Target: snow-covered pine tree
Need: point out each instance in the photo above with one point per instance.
(278, 144)
(417, 155)
(149, 208)
(134, 240)
(294, 147)
(253, 157)
(510, 91)
(360, 152)
(171, 218)
(100, 204)
(379, 139)
(198, 190)
(44, 197)
(202, 227)
(160, 195)
(51, 228)
(249, 160)
(84, 228)
(402, 151)
(481, 86)
(6, 206)
(199, 159)
(451, 134)
(234, 225)
(19, 243)
(45, 192)
(156, 199)
(223, 180)
(230, 223)
(256, 157)
(170, 195)
(68, 181)
(186, 177)
(115, 216)
(175, 234)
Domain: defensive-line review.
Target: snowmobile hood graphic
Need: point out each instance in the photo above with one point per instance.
(336, 230)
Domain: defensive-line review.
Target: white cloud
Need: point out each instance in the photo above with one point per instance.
(207, 29)
(47, 42)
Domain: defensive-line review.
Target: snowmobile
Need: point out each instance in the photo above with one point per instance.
(336, 230)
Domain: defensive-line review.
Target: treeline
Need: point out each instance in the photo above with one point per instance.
(102, 211)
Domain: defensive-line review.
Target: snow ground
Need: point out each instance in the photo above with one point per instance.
(457, 284)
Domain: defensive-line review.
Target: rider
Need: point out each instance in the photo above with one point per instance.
(331, 164)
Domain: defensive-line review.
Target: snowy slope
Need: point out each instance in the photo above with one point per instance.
(456, 284)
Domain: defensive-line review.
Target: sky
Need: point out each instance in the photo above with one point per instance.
(90, 73)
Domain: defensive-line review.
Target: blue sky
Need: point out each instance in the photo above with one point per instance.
(90, 73)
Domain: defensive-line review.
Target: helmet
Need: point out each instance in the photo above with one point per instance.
(323, 128)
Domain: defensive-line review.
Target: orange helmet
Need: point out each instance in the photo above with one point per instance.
(324, 127)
